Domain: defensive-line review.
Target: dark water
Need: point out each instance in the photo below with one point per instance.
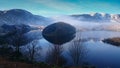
(98, 53)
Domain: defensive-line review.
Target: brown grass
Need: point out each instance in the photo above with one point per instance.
(113, 41)
(9, 64)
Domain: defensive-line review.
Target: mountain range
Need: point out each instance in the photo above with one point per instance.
(97, 17)
(20, 16)
(17, 20)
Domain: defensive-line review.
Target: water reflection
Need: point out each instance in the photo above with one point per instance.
(99, 54)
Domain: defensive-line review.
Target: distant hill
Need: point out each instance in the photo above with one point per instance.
(20, 16)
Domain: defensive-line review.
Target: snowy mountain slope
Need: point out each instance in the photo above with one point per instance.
(97, 17)
(116, 17)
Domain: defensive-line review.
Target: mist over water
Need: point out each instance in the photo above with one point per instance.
(99, 53)
(91, 30)
(87, 25)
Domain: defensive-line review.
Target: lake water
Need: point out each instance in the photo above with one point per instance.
(100, 54)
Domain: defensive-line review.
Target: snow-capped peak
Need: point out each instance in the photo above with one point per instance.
(98, 17)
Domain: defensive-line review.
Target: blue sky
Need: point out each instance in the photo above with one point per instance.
(62, 7)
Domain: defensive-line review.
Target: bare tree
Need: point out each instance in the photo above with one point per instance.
(54, 56)
(76, 51)
(33, 50)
